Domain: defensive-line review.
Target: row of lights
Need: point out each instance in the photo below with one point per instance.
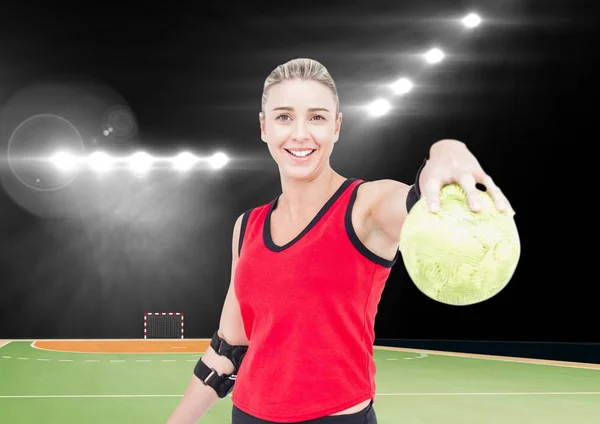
(404, 85)
(139, 162)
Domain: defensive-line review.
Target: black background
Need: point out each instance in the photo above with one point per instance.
(515, 90)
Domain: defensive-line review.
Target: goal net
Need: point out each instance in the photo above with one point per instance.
(163, 325)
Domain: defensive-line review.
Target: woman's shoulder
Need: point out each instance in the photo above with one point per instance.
(371, 192)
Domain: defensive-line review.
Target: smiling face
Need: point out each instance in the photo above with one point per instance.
(300, 126)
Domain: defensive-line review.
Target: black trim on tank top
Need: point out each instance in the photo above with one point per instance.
(362, 249)
(243, 230)
(267, 223)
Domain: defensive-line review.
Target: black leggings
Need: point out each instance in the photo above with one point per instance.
(366, 416)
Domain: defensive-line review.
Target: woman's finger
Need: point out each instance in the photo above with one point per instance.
(468, 183)
(431, 193)
(500, 200)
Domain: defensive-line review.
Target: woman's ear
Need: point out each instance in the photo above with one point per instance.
(261, 121)
(338, 127)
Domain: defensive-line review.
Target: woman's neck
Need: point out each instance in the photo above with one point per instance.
(301, 197)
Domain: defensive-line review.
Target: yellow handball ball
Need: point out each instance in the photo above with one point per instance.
(457, 256)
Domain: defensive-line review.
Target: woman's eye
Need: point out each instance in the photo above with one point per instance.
(287, 118)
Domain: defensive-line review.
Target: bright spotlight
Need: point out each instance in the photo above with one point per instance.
(184, 161)
(100, 161)
(434, 55)
(218, 160)
(471, 20)
(379, 107)
(140, 162)
(64, 161)
(402, 86)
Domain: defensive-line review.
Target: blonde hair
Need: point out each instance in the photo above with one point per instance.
(304, 69)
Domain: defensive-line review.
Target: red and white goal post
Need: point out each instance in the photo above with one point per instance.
(163, 325)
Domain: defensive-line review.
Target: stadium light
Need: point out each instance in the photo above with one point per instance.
(379, 107)
(471, 20)
(140, 162)
(64, 161)
(100, 161)
(434, 55)
(218, 160)
(184, 161)
(402, 86)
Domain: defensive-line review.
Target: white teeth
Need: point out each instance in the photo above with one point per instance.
(301, 153)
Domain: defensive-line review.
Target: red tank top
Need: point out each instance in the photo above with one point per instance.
(308, 309)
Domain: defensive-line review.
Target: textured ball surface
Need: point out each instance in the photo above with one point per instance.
(457, 256)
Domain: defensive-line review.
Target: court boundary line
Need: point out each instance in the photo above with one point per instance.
(514, 359)
(376, 394)
(4, 343)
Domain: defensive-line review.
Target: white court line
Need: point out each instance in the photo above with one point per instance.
(378, 394)
(4, 343)
(82, 396)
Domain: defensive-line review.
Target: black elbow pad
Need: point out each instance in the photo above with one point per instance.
(221, 384)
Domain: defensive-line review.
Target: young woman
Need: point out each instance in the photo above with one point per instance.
(297, 328)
